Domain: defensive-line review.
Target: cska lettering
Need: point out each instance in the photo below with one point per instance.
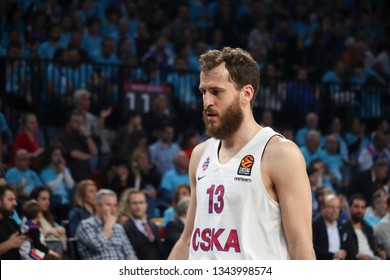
(209, 240)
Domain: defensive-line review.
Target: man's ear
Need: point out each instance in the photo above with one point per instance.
(246, 94)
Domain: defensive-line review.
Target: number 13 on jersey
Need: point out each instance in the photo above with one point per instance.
(216, 201)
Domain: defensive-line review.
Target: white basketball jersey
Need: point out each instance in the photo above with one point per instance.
(235, 216)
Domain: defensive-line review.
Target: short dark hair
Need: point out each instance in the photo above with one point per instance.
(357, 196)
(31, 209)
(4, 189)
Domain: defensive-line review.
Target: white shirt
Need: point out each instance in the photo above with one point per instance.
(333, 237)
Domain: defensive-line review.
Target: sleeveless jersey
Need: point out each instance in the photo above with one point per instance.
(235, 216)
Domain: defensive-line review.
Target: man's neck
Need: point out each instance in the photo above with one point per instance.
(241, 137)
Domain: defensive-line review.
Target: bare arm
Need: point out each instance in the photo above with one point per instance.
(181, 250)
(285, 169)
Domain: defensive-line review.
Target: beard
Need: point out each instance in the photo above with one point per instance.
(229, 121)
(356, 218)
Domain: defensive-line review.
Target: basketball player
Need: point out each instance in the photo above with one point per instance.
(250, 195)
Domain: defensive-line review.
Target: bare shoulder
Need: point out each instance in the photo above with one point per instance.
(196, 156)
(281, 147)
(282, 155)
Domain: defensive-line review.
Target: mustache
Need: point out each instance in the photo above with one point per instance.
(209, 111)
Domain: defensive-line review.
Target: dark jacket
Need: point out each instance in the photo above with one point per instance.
(173, 231)
(321, 244)
(145, 249)
(368, 232)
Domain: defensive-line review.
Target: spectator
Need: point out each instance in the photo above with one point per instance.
(84, 201)
(46, 50)
(379, 208)
(377, 150)
(99, 237)
(382, 231)
(333, 159)
(356, 139)
(124, 133)
(181, 191)
(311, 123)
(10, 236)
(155, 119)
(143, 234)
(174, 178)
(312, 149)
(174, 229)
(331, 240)
(34, 248)
(301, 95)
(95, 126)
(274, 89)
(191, 138)
(27, 138)
(361, 233)
(124, 212)
(54, 234)
(58, 178)
(79, 147)
(21, 176)
(369, 181)
(164, 150)
(144, 178)
(84, 204)
(92, 40)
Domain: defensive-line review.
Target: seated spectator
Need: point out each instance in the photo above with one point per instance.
(58, 178)
(356, 139)
(379, 208)
(46, 50)
(144, 235)
(311, 150)
(332, 157)
(174, 178)
(377, 150)
(10, 236)
(182, 191)
(174, 229)
(361, 233)
(124, 212)
(382, 231)
(330, 239)
(27, 138)
(311, 123)
(34, 248)
(21, 176)
(84, 204)
(369, 181)
(336, 128)
(117, 177)
(54, 234)
(100, 237)
(79, 147)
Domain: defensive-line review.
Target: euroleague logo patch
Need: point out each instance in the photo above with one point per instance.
(246, 165)
(206, 164)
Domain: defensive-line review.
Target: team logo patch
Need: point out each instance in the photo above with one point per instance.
(246, 164)
(206, 164)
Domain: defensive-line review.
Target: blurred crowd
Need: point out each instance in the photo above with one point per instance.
(90, 190)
